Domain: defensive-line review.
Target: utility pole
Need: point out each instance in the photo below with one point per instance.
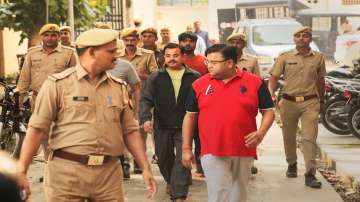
(2, 58)
(47, 11)
(71, 18)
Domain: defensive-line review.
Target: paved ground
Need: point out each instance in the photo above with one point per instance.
(269, 185)
(344, 151)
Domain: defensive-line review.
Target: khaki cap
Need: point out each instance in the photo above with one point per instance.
(96, 37)
(238, 36)
(129, 32)
(165, 29)
(149, 30)
(65, 28)
(304, 29)
(49, 28)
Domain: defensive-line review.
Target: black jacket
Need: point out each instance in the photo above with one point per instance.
(158, 92)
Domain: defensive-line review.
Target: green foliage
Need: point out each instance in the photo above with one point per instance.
(28, 16)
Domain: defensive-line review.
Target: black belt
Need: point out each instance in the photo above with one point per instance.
(91, 160)
(298, 98)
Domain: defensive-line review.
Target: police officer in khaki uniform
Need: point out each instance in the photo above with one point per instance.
(48, 58)
(91, 123)
(148, 39)
(65, 36)
(165, 38)
(303, 71)
(144, 62)
(245, 61)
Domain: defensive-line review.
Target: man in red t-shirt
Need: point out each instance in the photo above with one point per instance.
(187, 41)
(224, 104)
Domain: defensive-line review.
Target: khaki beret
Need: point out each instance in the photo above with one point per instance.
(238, 36)
(49, 28)
(96, 37)
(129, 32)
(65, 28)
(149, 30)
(165, 29)
(304, 29)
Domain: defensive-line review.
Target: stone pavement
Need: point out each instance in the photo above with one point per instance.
(342, 152)
(269, 185)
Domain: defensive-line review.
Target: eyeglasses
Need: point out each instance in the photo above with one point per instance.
(213, 62)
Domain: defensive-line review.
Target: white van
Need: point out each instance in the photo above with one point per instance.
(267, 38)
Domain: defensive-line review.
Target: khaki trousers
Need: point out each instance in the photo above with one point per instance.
(308, 113)
(74, 182)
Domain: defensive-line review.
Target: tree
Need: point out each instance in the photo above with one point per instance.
(28, 16)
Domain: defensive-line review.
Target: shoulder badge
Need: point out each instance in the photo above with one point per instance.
(62, 75)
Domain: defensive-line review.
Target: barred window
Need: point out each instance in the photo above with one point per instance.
(262, 13)
(181, 2)
(350, 2)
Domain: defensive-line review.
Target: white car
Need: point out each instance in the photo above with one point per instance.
(267, 38)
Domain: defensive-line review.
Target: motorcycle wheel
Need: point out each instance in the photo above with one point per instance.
(11, 142)
(354, 121)
(334, 117)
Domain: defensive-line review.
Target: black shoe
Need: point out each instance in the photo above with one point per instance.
(137, 169)
(254, 170)
(311, 181)
(126, 171)
(292, 170)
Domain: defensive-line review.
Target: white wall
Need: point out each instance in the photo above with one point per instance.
(213, 19)
(178, 17)
(145, 11)
(11, 49)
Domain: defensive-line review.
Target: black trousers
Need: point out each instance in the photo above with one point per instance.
(168, 149)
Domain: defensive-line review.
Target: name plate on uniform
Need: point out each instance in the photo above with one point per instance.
(95, 160)
(81, 98)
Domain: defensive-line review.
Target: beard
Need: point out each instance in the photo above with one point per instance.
(188, 50)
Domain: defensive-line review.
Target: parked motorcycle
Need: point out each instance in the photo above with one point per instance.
(334, 116)
(12, 120)
(353, 107)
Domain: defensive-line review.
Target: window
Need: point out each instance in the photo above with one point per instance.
(350, 2)
(181, 2)
(262, 13)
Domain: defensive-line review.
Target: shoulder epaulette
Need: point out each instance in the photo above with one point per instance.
(147, 51)
(68, 48)
(34, 48)
(117, 80)
(61, 75)
(284, 52)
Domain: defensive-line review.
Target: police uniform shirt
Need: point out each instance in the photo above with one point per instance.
(38, 65)
(144, 61)
(300, 72)
(249, 63)
(87, 119)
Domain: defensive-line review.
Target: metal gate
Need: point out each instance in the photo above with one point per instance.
(114, 14)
